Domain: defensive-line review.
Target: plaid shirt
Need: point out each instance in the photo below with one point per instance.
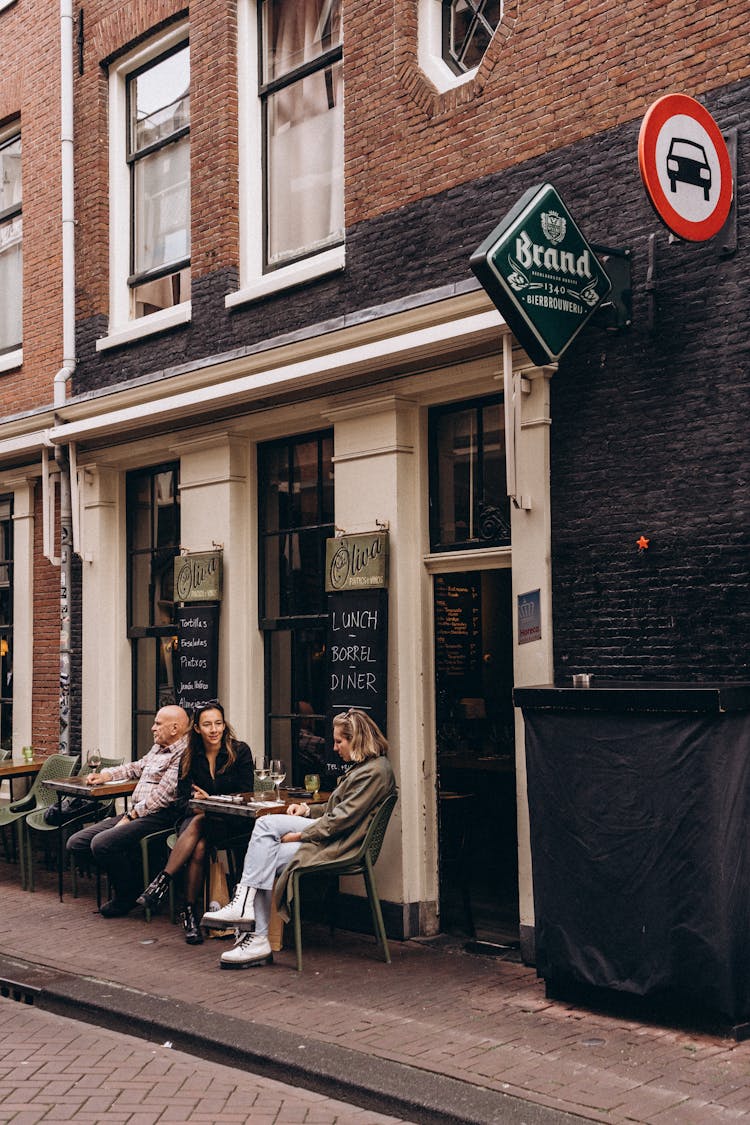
(158, 773)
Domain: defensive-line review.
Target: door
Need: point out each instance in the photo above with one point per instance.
(476, 756)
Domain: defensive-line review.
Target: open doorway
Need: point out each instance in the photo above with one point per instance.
(476, 756)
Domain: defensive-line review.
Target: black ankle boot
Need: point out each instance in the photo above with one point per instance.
(157, 890)
(193, 935)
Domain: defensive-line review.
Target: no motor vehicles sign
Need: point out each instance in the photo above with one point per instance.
(685, 167)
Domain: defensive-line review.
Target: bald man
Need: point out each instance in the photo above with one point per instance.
(115, 842)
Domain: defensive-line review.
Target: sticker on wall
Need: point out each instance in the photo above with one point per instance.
(529, 617)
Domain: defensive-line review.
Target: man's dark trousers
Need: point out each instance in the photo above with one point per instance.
(116, 848)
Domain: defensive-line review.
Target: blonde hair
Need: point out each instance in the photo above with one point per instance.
(365, 736)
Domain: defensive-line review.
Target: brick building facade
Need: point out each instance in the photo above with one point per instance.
(376, 336)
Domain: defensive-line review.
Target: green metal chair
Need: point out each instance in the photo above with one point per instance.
(40, 796)
(160, 840)
(35, 822)
(361, 864)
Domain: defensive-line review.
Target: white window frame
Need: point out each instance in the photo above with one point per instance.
(10, 360)
(122, 326)
(254, 283)
(430, 48)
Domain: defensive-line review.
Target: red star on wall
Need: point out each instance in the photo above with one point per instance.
(642, 543)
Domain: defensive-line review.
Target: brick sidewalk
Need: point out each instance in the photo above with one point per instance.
(54, 1069)
(481, 1021)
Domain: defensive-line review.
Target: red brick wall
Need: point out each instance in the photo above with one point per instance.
(29, 84)
(554, 74)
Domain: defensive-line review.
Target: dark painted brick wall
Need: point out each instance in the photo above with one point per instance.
(649, 430)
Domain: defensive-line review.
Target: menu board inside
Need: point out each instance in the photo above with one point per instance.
(458, 627)
(198, 654)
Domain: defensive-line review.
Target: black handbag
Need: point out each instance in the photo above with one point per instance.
(68, 809)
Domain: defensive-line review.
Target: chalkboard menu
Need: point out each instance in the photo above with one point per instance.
(356, 660)
(458, 623)
(197, 654)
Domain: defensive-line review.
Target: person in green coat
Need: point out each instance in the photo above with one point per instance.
(282, 842)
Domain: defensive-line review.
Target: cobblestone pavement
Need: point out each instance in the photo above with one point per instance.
(479, 1020)
(54, 1069)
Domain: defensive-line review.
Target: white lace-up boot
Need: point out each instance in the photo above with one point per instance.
(249, 950)
(238, 913)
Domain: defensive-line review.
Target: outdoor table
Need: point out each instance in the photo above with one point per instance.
(11, 770)
(77, 787)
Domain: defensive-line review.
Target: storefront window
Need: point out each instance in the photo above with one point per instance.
(468, 502)
(6, 624)
(153, 506)
(296, 518)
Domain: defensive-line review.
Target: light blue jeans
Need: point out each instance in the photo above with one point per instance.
(266, 857)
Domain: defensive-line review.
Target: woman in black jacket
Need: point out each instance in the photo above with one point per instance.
(214, 762)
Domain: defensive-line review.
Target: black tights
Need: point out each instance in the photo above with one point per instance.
(190, 850)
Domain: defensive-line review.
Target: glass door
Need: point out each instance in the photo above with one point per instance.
(476, 756)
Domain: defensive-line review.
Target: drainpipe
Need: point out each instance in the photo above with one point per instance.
(69, 358)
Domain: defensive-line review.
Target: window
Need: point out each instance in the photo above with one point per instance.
(6, 624)
(153, 538)
(453, 37)
(158, 99)
(149, 167)
(291, 119)
(468, 27)
(469, 507)
(303, 126)
(296, 518)
(11, 279)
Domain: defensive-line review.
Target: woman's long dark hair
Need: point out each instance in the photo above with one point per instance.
(195, 742)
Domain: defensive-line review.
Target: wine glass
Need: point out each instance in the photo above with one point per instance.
(278, 773)
(312, 784)
(94, 759)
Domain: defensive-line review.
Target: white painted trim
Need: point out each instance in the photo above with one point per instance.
(147, 326)
(430, 51)
(422, 344)
(11, 360)
(329, 261)
(119, 181)
(483, 558)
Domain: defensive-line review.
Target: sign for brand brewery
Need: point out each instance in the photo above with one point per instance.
(541, 273)
(357, 562)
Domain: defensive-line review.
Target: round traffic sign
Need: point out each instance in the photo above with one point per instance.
(685, 167)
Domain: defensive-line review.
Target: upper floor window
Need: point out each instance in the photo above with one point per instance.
(158, 155)
(469, 507)
(453, 37)
(11, 279)
(468, 27)
(301, 95)
(149, 168)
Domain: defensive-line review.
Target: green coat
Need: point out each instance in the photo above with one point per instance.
(339, 832)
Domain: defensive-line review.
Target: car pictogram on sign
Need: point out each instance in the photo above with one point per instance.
(687, 164)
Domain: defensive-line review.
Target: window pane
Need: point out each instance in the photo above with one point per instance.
(162, 207)
(10, 174)
(166, 512)
(304, 499)
(305, 129)
(160, 100)
(294, 567)
(11, 280)
(468, 484)
(163, 293)
(296, 31)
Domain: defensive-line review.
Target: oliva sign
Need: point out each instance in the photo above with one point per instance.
(541, 273)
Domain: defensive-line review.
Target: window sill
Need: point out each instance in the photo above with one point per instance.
(146, 326)
(330, 261)
(11, 360)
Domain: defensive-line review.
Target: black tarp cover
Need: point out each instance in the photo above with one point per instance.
(641, 865)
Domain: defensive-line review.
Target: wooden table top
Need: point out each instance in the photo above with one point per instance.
(242, 804)
(77, 787)
(20, 769)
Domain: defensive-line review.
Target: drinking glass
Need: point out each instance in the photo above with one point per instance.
(28, 754)
(278, 773)
(312, 784)
(94, 760)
